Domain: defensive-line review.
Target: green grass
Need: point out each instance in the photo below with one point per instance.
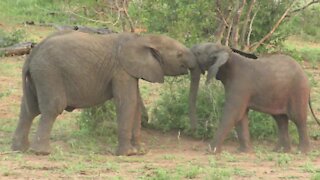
(316, 176)
(283, 159)
(309, 167)
(47, 12)
(303, 51)
(11, 68)
(228, 157)
(169, 157)
(19, 11)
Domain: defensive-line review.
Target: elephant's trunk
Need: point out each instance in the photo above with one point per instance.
(194, 86)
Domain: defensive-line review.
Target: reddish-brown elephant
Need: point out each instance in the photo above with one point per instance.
(274, 84)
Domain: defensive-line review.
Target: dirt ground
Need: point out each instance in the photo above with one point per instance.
(170, 155)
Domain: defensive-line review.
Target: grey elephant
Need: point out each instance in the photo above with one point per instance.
(274, 84)
(70, 70)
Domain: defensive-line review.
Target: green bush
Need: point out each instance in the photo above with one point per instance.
(171, 110)
(262, 126)
(100, 121)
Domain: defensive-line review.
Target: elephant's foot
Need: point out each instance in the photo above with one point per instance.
(18, 145)
(126, 151)
(304, 148)
(141, 148)
(213, 149)
(41, 149)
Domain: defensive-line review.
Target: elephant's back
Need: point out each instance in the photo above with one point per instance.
(72, 47)
(280, 64)
(281, 74)
(278, 80)
(79, 62)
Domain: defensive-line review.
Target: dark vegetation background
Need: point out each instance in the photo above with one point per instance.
(253, 26)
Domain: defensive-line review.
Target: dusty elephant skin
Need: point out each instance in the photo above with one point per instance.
(70, 70)
(273, 84)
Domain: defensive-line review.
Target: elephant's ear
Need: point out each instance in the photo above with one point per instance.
(221, 58)
(141, 61)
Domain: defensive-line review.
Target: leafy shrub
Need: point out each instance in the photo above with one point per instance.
(171, 110)
(8, 39)
(262, 126)
(100, 121)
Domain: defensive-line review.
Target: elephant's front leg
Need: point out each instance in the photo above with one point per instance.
(235, 107)
(125, 91)
(242, 128)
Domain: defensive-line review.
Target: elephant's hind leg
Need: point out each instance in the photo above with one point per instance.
(298, 114)
(136, 131)
(41, 143)
(300, 121)
(283, 133)
(20, 140)
(52, 102)
(242, 128)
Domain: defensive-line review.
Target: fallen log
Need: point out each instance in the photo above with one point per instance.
(17, 49)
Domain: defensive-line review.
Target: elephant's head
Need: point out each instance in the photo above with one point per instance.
(211, 57)
(151, 57)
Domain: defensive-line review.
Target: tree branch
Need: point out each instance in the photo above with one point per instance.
(218, 9)
(218, 34)
(236, 20)
(267, 36)
(250, 30)
(305, 6)
(229, 32)
(222, 17)
(125, 5)
(246, 22)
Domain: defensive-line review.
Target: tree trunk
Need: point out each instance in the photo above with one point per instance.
(226, 43)
(244, 32)
(235, 24)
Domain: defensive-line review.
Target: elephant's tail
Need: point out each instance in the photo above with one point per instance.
(29, 94)
(314, 116)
